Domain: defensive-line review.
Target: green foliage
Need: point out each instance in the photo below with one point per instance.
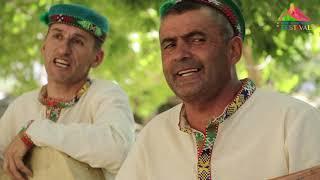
(132, 56)
(290, 51)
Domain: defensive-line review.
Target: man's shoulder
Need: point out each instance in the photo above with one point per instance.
(165, 120)
(278, 100)
(106, 87)
(104, 84)
(27, 99)
(27, 96)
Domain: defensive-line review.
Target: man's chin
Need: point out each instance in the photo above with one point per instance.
(60, 80)
(188, 94)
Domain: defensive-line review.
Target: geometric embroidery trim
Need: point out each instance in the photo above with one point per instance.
(204, 161)
(83, 24)
(206, 141)
(54, 106)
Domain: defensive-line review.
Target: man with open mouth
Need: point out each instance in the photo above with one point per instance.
(225, 128)
(87, 119)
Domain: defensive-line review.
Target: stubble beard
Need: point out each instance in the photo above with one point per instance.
(67, 79)
(206, 90)
(187, 94)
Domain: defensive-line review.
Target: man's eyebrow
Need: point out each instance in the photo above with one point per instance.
(193, 33)
(80, 36)
(75, 34)
(56, 29)
(185, 36)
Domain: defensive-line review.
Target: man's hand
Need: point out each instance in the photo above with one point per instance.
(13, 163)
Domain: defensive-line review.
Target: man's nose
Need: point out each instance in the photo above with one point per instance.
(183, 51)
(64, 47)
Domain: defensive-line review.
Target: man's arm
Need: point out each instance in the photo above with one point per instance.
(12, 149)
(135, 167)
(103, 144)
(7, 129)
(13, 163)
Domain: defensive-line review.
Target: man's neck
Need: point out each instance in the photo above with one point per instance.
(62, 91)
(199, 113)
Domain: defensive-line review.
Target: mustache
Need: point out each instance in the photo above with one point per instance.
(185, 63)
(62, 57)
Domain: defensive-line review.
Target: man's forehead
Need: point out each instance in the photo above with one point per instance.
(195, 16)
(227, 7)
(184, 23)
(64, 28)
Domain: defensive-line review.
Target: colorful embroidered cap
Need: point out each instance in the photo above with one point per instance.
(79, 16)
(226, 7)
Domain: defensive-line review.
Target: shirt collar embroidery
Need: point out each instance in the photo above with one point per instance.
(53, 106)
(50, 102)
(247, 89)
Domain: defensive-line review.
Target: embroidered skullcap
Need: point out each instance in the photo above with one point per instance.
(79, 16)
(227, 7)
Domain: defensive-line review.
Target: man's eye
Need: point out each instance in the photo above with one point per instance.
(78, 41)
(197, 40)
(57, 36)
(168, 45)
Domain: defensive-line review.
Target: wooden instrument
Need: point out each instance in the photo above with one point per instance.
(49, 164)
(307, 174)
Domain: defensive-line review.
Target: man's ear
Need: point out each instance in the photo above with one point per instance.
(235, 49)
(98, 58)
(42, 49)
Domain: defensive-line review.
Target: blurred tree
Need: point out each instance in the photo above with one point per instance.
(280, 59)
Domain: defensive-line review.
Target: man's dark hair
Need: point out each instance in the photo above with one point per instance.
(182, 7)
(220, 19)
(98, 43)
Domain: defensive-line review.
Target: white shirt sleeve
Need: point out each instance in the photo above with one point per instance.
(135, 167)
(7, 129)
(103, 144)
(303, 139)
